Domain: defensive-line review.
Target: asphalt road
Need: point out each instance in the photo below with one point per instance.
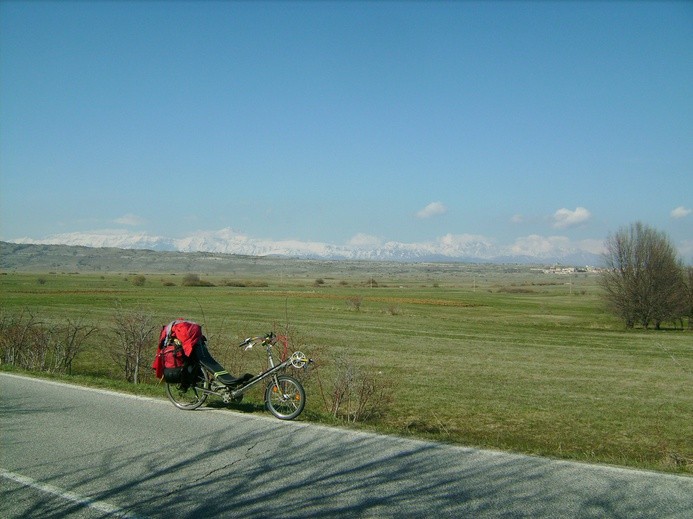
(67, 451)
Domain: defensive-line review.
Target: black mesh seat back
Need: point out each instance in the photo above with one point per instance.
(205, 358)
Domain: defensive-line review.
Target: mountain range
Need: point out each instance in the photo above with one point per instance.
(450, 248)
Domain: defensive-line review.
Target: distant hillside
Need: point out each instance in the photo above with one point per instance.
(68, 258)
(59, 259)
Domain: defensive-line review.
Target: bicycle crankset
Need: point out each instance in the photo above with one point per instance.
(298, 359)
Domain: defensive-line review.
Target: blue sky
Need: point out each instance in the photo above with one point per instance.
(362, 122)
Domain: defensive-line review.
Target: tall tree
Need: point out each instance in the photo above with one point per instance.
(643, 280)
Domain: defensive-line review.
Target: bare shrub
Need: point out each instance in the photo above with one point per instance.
(353, 393)
(134, 334)
(190, 280)
(354, 303)
(21, 340)
(30, 344)
(67, 341)
(394, 309)
(193, 280)
(245, 283)
(16, 332)
(139, 280)
(34, 355)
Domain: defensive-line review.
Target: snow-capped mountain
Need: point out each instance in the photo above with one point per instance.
(472, 248)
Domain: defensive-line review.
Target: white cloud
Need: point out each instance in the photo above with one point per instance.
(535, 245)
(680, 212)
(594, 246)
(517, 218)
(363, 241)
(455, 245)
(129, 219)
(564, 218)
(456, 240)
(432, 209)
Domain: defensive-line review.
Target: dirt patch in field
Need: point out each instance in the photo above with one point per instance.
(374, 299)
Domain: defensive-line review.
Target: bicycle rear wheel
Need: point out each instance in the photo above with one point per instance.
(286, 399)
(190, 396)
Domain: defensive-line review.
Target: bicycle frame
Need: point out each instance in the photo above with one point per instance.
(235, 393)
(297, 359)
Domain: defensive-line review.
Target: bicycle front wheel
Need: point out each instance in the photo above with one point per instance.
(286, 398)
(190, 396)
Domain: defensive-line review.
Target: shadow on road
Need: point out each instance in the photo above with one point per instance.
(222, 464)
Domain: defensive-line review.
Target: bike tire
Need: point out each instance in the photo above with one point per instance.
(287, 399)
(190, 396)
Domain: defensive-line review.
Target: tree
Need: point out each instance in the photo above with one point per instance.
(643, 280)
(688, 303)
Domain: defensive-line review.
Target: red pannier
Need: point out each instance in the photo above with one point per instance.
(176, 343)
(174, 361)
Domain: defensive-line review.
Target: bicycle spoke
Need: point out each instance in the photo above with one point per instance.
(285, 399)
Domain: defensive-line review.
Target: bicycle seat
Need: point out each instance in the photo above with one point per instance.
(205, 358)
(229, 380)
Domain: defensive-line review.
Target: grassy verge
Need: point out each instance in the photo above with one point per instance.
(510, 360)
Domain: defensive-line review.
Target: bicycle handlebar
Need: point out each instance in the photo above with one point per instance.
(297, 359)
(269, 338)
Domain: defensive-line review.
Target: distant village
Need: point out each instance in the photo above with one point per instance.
(561, 270)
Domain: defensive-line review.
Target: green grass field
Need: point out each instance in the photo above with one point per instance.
(485, 356)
